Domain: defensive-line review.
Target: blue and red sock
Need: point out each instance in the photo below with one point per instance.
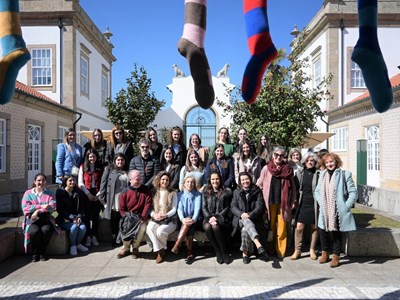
(260, 45)
(367, 54)
(13, 53)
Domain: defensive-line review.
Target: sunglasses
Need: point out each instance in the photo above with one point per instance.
(118, 132)
(278, 155)
(144, 147)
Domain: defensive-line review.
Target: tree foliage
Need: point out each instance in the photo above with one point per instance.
(286, 108)
(135, 107)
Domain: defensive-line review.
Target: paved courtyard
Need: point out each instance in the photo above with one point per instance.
(100, 275)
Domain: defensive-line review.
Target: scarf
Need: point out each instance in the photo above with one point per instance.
(328, 195)
(284, 173)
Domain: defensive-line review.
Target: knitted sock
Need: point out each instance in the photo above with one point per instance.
(191, 46)
(260, 45)
(13, 53)
(367, 54)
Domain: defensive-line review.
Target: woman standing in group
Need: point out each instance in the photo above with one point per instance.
(216, 203)
(248, 210)
(113, 182)
(225, 140)
(295, 160)
(156, 148)
(177, 143)
(195, 144)
(279, 191)
(38, 204)
(89, 179)
(193, 167)
(264, 148)
(163, 215)
(336, 193)
(168, 164)
(247, 161)
(71, 213)
(189, 212)
(306, 210)
(99, 144)
(223, 164)
(69, 156)
(119, 143)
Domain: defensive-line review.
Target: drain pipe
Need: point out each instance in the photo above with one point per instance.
(77, 120)
(341, 26)
(61, 27)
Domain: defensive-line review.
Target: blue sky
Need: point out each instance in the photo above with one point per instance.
(147, 32)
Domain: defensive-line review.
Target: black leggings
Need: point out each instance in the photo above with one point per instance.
(93, 215)
(215, 235)
(115, 217)
(40, 234)
(337, 240)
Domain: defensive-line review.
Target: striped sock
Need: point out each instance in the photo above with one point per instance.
(260, 45)
(14, 54)
(367, 54)
(191, 46)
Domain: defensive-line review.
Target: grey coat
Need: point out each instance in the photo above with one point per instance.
(343, 205)
(107, 188)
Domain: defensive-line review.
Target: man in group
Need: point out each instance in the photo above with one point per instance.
(134, 206)
(146, 164)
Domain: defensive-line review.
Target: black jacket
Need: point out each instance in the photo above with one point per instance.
(218, 207)
(148, 168)
(253, 205)
(70, 207)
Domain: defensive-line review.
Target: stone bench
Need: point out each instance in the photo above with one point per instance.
(105, 234)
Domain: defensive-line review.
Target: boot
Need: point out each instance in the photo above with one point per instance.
(298, 238)
(160, 256)
(189, 245)
(182, 233)
(335, 261)
(314, 238)
(324, 257)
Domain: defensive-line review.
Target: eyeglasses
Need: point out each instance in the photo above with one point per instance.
(278, 155)
(96, 135)
(144, 147)
(118, 132)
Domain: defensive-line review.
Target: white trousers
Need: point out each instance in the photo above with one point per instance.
(158, 234)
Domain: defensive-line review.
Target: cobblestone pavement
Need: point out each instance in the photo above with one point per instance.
(100, 275)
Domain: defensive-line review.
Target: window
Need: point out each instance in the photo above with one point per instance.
(356, 76)
(373, 163)
(339, 139)
(84, 75)
(104, 87)
(41, 67)
(2, 145)
(317, 72)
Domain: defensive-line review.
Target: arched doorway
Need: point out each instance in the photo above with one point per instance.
(202, 122)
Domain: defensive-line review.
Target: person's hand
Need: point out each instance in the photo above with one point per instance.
(213, 221)
(35, 215)
(78, 221)
(187, 221)
(245, 216)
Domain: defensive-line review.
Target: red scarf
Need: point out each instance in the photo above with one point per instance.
(284, 172)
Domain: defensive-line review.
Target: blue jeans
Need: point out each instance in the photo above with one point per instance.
(76, 233)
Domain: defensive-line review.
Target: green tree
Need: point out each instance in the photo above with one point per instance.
(135, 107)
(286, 108)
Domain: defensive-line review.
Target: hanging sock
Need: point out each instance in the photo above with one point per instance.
(13, 53)
(368, 56)
(191, 46)
(260, 45)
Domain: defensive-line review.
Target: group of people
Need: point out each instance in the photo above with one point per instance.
(242, 193)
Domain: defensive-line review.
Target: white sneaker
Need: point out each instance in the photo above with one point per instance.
(95, 242)
(73, 251)
(81, 248)
(88, 241)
